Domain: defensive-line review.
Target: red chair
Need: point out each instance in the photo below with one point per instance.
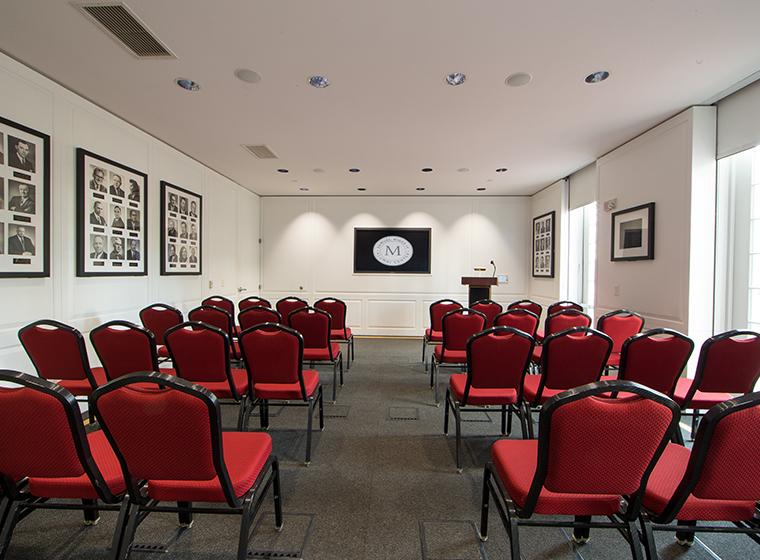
(46, 459)
(489, 308)
(593, 458)
(528, 305)
(434, 333)
(167, 434)
(59, 354)
(217, 317)
(570, 359)
(253, 301)
(558, 322)
(520, 319)
(123, 347)
(273, 356)
(458, 326)
(201, 355)
(497, 360)
(729, 365)
(340, 332)
(556, 308)
(619, 325)
(717, 481)
(225, 304)
(159, 318)
(287, 305)
(253, 316)
(315, 326)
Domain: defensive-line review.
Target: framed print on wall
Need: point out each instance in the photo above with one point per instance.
(112, 218)
(24, 201)
(633, 234)
(543, 245)
(394, 250)
(181, 230)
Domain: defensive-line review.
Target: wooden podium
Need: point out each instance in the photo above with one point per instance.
(479, 287)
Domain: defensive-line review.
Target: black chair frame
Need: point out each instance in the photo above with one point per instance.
(425, 341)
(347, 340)
(335, 361)
(131, 326)
(177, 313)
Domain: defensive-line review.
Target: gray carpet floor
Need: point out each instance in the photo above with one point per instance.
(377, 488)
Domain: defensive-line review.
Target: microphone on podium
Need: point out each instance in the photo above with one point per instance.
(494, 269)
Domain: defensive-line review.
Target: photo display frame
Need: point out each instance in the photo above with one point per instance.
(544, 228)
(112, 217)
(181, 231)
(633, 234)
(24, 201)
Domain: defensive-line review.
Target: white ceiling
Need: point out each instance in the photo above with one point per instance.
(388, 110)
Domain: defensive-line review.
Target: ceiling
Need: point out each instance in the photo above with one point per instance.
(388, 110)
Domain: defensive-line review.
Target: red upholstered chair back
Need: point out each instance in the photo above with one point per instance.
(56, 350)
(287, 305)
(527, 304)
(459, 325)
(562, 306)
(655, 359)
(123, 348)
(518, 318)
(159, 318)
(272, 353)
(313, 325)
(574, 357)
(253, 316)
(337, 310)
(221, 302)
(253, 301)
(619, 326)
(594, 445)
(200, 352)
(214, 316)
(498, 358)
(438, 309)
(729, 362)
(489, 308)
(566, 319)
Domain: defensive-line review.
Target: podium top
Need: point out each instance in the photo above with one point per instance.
(480, 281)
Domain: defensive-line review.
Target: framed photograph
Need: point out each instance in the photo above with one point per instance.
(392, 250)
(543, 246)
(181, 230)
(24, 201)
(633, 234)
(112, 218)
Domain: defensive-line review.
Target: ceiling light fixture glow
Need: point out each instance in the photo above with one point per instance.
(596, 77)
(455, 79)
(420, 188)
(501, 170)
(189, 85)
(480, 189)
(318, 81)
(361, 188)
(283, 171)
(354, 170)
(303, 188)
(427, 169)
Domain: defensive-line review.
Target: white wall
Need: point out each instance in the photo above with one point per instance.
(739, 121)
(231, 218)
(308, 251)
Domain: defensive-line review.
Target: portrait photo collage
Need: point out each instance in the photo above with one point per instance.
(543, 245)
(181, 219)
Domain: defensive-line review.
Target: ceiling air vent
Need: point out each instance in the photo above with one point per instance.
(261, 152)
(119, 20)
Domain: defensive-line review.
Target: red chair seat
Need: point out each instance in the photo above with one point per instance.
(701, 400)
(287, 391)
(337, 334)
(614, 359)
(664, 481)
(321, 354)
(82, 387)
(222, 388)
(536, 357)
(433, 336)
(477, 396)
(451, 356)
(80, 487)
(530, 389)
(515, 462)
(245, 454)
(162, 351)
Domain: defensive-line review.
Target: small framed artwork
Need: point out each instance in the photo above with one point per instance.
(181, 230)
(633, 234)
(112, 218)
(24, 201)
(543, 246)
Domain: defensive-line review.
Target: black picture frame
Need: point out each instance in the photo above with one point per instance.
(86, 231)
(543, 244)
(419, 239)
(635, 235)
(176, 268)
(22, 265)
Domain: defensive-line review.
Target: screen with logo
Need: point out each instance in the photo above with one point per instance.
(392, 250)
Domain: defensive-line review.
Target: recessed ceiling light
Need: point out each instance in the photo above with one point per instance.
(420, 188)
(283, 171)
(518, 79)
(501, 170)
(361, 188)
(319, 81)
(427, 169)
(463, 169)
(480, 189)
(354, 170)
(247, 75)
(318, 170)
(303, 188)
(189, 85)
(455, 79)
(598, 76)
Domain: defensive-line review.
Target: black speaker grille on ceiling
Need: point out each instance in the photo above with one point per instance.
(119, 21)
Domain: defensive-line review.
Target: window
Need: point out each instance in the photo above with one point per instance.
(582, 256)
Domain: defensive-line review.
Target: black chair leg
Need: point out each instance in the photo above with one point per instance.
(6, 530)
(458, 426)
(634, 540)
(504, 419)
(423, 352)
(581, 534)
(509, 420)
(483, 533)
(514, 535)
(277, 495)
(309, 423)
(91, 513)
(340, 359)
(446, 412)
(335, 383)
(685, 538)
(185, 514)
(128, 536)
(264, 414)
(647, 537)
(321, 410)
(246, 524)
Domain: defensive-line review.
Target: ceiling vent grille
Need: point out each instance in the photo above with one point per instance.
(118, 19)
(261, 152)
